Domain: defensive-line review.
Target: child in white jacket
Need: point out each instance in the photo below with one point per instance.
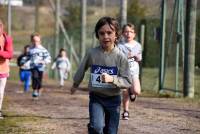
(63, 65)
(133, 51)
(39, 58)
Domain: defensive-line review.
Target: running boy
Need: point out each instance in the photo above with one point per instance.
(132, 49)
(109, 72)
(39, 57)
(23, 61)
(63, 65)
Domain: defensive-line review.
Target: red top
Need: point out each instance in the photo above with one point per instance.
(6, 53)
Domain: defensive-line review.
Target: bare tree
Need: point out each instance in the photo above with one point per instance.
(83, 27)
(123, 12)
(37, 15)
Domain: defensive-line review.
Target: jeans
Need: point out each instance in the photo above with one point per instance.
(104, 114)
(25, 77)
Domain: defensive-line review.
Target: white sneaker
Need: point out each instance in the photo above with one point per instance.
(35, 94)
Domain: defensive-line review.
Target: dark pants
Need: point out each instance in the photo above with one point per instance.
(36, 79)
(104, 114)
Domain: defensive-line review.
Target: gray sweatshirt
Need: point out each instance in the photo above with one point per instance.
(113, 63)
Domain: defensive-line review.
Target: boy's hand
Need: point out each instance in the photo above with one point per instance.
(106, 78)
(73, 90)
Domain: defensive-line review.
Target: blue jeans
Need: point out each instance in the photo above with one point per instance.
(25, 77)
(104, 114)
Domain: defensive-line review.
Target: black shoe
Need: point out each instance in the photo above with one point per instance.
(125, 115)
(132, 96)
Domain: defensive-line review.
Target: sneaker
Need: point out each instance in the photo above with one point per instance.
(35, 94)
(125, 115)
(1, 115)
(132, 96)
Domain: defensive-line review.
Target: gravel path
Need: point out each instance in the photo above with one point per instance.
(58, 112)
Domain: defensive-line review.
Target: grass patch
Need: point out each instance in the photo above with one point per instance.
(153, 94)
(150, 78)
(13, 123)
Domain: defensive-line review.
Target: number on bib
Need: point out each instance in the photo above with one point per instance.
(98, 79)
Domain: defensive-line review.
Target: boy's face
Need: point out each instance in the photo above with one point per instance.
(107, 36)
(36, 40)
(129, 34)
(26, 50)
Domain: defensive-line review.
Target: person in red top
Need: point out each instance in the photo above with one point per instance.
(6, 53)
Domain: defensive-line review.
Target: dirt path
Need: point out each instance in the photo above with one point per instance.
(57, 112)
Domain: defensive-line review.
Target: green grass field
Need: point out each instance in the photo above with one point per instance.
(150, 77)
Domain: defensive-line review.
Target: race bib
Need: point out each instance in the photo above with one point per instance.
(96, 72)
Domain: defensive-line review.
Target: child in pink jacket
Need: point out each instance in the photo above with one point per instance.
(6, 52)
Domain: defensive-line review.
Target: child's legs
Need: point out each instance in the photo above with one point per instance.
(104, 110)
(27, 80)
(36, 79)
(125, 100)
(40, 80)
(96, 112)
(2, 89)
(112, 116)
(22, 75)
(136, 88)
(62, 76)
(35, 76)
(66, 74)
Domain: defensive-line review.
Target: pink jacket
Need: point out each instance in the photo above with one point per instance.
(6, 53)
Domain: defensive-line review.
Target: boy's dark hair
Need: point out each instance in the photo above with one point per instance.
(129, 25)
(59, 55)
(26, 46)
(113, 23)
